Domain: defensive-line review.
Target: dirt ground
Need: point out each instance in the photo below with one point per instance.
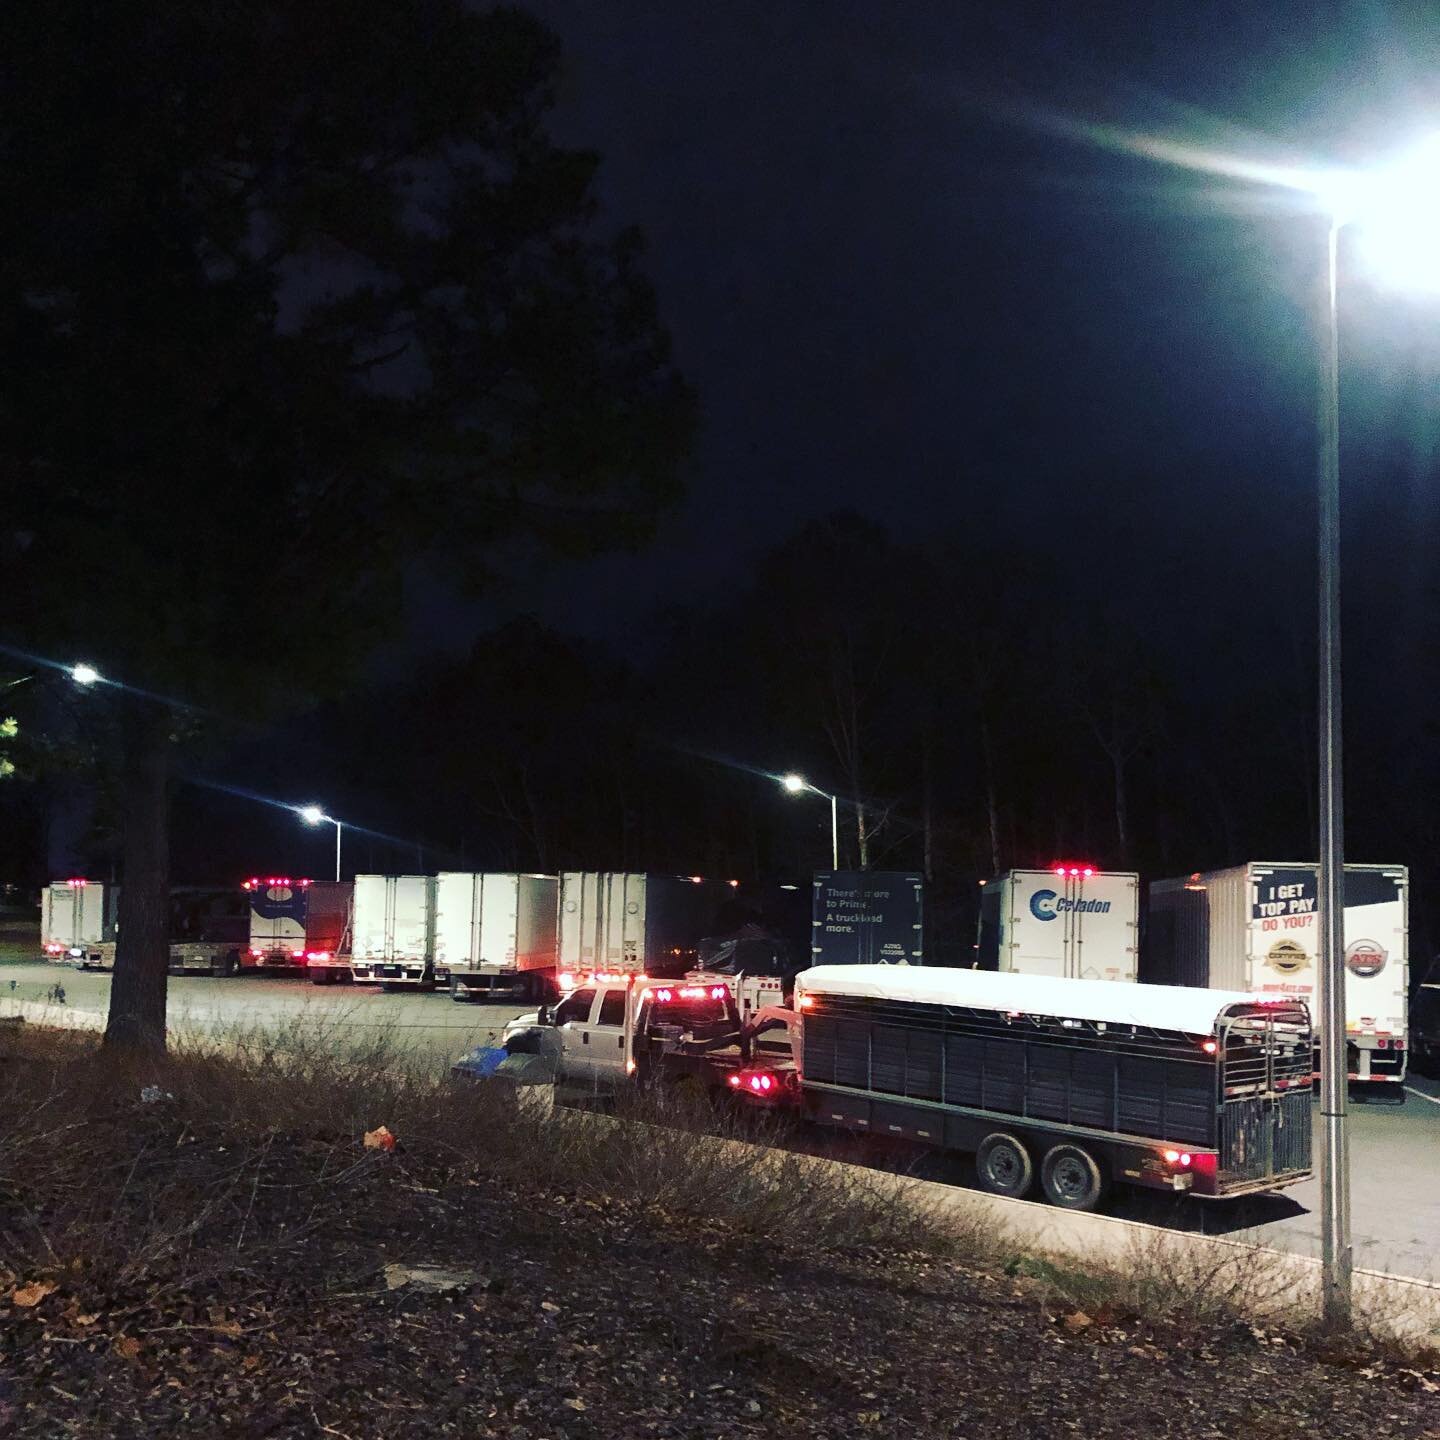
(220, 1260)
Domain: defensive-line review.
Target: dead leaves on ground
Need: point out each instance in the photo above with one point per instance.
(26, 1297)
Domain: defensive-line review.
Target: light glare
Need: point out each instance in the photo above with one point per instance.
(793, 783)
(84, 674)
(312, 814)
(1394, 214)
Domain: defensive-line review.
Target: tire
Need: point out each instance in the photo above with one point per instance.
(1071, 1178)
(457, 995)
(321, 975)
(1003, 1166)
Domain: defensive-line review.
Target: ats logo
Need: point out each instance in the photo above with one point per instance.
(1364, 959)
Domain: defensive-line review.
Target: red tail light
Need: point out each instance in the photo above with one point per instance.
(1178, 1157)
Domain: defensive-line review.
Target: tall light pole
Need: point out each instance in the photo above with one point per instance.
(796, 784)
(314, 815)
(1394, 214)
(1336, 1251)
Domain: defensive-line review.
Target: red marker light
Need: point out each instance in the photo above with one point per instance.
(734, 1079)
(1089, 871)
(1060, 870)
(1209, 1047)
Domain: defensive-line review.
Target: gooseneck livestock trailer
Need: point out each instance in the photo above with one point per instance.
(1074, 1083)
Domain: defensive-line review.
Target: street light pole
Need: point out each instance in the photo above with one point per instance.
(1337, 1255)
(314, 815)
(795, 784)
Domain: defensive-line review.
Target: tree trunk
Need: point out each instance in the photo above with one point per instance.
(142, 950)
(992, 806)
(1121, 817)
(862, 834)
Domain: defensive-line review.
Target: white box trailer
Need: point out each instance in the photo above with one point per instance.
(393, 930)
(75, 916)
(626, 923)
(496, 932)
(1071, 922)
(1255, 927)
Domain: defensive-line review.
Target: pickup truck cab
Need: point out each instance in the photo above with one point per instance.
(630, 1032)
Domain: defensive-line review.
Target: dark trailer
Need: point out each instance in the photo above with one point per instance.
(1079, 1082)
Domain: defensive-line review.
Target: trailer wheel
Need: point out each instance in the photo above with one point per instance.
(321, 975)
(1003, 1166)
(1071, 1178)
(459, 996)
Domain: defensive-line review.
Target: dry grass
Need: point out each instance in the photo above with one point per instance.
(255, 1150)
(254, 1146)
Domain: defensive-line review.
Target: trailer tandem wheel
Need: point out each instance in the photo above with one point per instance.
(1072, 1178)
(1003, 1165)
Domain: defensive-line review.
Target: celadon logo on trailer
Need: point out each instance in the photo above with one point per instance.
(1046, 905)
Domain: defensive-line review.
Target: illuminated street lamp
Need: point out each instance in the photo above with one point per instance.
(83, 674)
(795, 784)
(1393, 214)
(314, 815)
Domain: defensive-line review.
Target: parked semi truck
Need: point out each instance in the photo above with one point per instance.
(622, 923)
(867, 917)
(298, 925)
(497, 934)
(1254, 926)
(208, 933)
(393, 931)
(76, 916)
(1071, 921)
(1068, 1085)
(209, 929)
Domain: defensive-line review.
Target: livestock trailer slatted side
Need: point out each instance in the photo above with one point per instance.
(1127, 1081)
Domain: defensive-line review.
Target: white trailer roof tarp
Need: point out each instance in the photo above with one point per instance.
(1161, 1007)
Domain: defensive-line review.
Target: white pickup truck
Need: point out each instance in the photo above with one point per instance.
(630, 1032)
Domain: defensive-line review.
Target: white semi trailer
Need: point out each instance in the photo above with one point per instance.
(1070, 922)
(77, 916)
(1254, 927)
(393, 930)
(496, 932)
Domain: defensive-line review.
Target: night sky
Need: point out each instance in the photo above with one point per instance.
(904, 283)
(899, 290)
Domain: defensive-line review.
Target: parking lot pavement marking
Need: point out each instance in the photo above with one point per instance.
(1409, 1090)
